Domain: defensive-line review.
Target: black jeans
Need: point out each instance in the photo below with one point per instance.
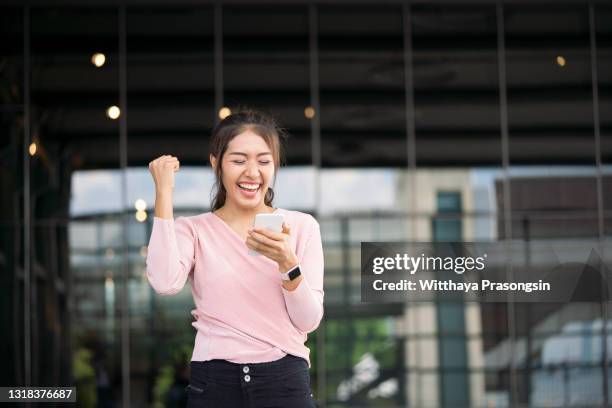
(283, 383)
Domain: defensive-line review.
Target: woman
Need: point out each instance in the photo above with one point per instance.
(252, 313)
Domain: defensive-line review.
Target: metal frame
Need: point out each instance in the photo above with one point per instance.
(27, 213)
(315, 148)
(218, 62)
(503, 116)
(123, 163)
(600, 204)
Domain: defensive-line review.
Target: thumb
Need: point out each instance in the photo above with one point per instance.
(286, 228)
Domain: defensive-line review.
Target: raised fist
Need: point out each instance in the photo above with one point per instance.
(162, 169)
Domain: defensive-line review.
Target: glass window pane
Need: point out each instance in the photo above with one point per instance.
(75, 98)
(361, 72)
(170, 96)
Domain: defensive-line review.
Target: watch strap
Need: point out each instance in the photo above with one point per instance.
(292, 273)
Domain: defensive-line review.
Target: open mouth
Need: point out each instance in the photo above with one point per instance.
(249, 187)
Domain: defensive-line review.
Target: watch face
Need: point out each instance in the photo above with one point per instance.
(294, 273)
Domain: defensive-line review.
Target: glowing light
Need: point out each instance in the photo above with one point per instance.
(141, 216)
(32, 149)
(224, 112)
(113, 112)
(140, 204)
(309, 112)
(98, 59)
(561, 61)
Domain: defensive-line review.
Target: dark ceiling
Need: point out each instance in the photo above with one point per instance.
(171, 82)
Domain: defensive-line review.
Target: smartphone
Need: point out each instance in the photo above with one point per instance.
(273, 222)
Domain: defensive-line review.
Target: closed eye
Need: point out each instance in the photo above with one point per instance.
(242, 162)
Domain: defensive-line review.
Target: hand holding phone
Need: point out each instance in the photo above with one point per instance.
(272, 222)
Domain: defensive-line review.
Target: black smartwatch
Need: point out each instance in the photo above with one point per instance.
(292, 274)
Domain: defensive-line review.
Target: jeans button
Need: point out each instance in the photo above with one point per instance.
(247, 378)
(245, 369)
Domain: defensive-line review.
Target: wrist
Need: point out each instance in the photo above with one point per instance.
(285, 266)
(164, 191)
(292, 285)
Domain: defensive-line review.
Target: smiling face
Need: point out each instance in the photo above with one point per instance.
(247, 170)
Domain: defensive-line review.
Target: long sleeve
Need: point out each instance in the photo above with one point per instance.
(305, 303)
(171, 254)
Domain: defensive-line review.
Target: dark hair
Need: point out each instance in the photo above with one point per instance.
(258, 122)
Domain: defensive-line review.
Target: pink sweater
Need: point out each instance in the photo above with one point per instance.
(243, 314)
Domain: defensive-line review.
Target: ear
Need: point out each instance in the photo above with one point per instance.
(213, 161)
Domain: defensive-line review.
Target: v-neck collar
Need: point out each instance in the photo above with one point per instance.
(231, 230)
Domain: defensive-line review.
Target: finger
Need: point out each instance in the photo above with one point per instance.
(260, 237)
(268, 234)
(264, 240)
(249, 243)
(272, 236)
(255, 245)
(170, 162)
(286, 229)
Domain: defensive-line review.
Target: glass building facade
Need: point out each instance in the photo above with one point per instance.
(408, 121)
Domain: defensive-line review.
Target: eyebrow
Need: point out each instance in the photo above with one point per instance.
(244, 154)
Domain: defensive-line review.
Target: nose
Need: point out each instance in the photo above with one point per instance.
(252, 170)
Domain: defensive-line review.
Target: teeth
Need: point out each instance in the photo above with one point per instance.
(251, 187)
